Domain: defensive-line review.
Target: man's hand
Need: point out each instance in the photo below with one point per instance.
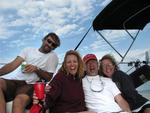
(30, 68)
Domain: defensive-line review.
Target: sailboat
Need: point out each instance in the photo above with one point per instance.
(125, 15)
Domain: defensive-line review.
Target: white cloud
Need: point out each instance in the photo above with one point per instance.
(46, 15)
(63, 17)
(66, 29)
(5, 33)
(57, 3)
(5, 60)
(17, 43)
(113, 36)
(105, 2)
(9, 4)
(136, 54)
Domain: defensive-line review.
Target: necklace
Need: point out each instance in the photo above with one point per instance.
(96, 85)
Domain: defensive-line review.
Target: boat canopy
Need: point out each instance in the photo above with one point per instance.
(123, 14)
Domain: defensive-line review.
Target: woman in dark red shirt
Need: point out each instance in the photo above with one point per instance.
(66, 92)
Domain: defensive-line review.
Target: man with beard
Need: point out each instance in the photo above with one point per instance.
(40, 64)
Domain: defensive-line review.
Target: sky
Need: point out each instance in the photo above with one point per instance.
(23, 23)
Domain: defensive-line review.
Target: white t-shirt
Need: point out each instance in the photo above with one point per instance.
(47, 62)
(102, 101)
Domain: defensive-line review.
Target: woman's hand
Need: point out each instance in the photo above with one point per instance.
(47, 88)
(35, 99)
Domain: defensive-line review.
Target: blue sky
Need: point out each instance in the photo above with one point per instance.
(25, 22)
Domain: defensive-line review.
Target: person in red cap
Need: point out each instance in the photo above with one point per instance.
(101, 94)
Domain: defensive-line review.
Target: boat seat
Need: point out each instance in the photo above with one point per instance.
(141, 75)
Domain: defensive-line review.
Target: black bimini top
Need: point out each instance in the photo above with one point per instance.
(123, 14)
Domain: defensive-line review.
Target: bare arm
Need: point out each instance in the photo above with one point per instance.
(122, 103)
(41, 73)
(11, 66)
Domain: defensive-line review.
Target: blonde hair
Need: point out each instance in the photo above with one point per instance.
(80, 71)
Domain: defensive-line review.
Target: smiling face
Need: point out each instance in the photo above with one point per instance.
(71, 64)
(48, 45)
(92, 67)
(107, 67)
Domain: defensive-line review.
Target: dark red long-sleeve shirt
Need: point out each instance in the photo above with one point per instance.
(66, 94)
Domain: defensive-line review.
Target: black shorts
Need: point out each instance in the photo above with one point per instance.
(15, 87)
(143, 108)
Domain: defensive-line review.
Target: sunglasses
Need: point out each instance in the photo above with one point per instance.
(50, 42)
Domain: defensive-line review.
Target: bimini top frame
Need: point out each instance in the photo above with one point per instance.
(123, 15)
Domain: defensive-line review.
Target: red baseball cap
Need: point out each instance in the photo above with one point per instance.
(89, 57)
